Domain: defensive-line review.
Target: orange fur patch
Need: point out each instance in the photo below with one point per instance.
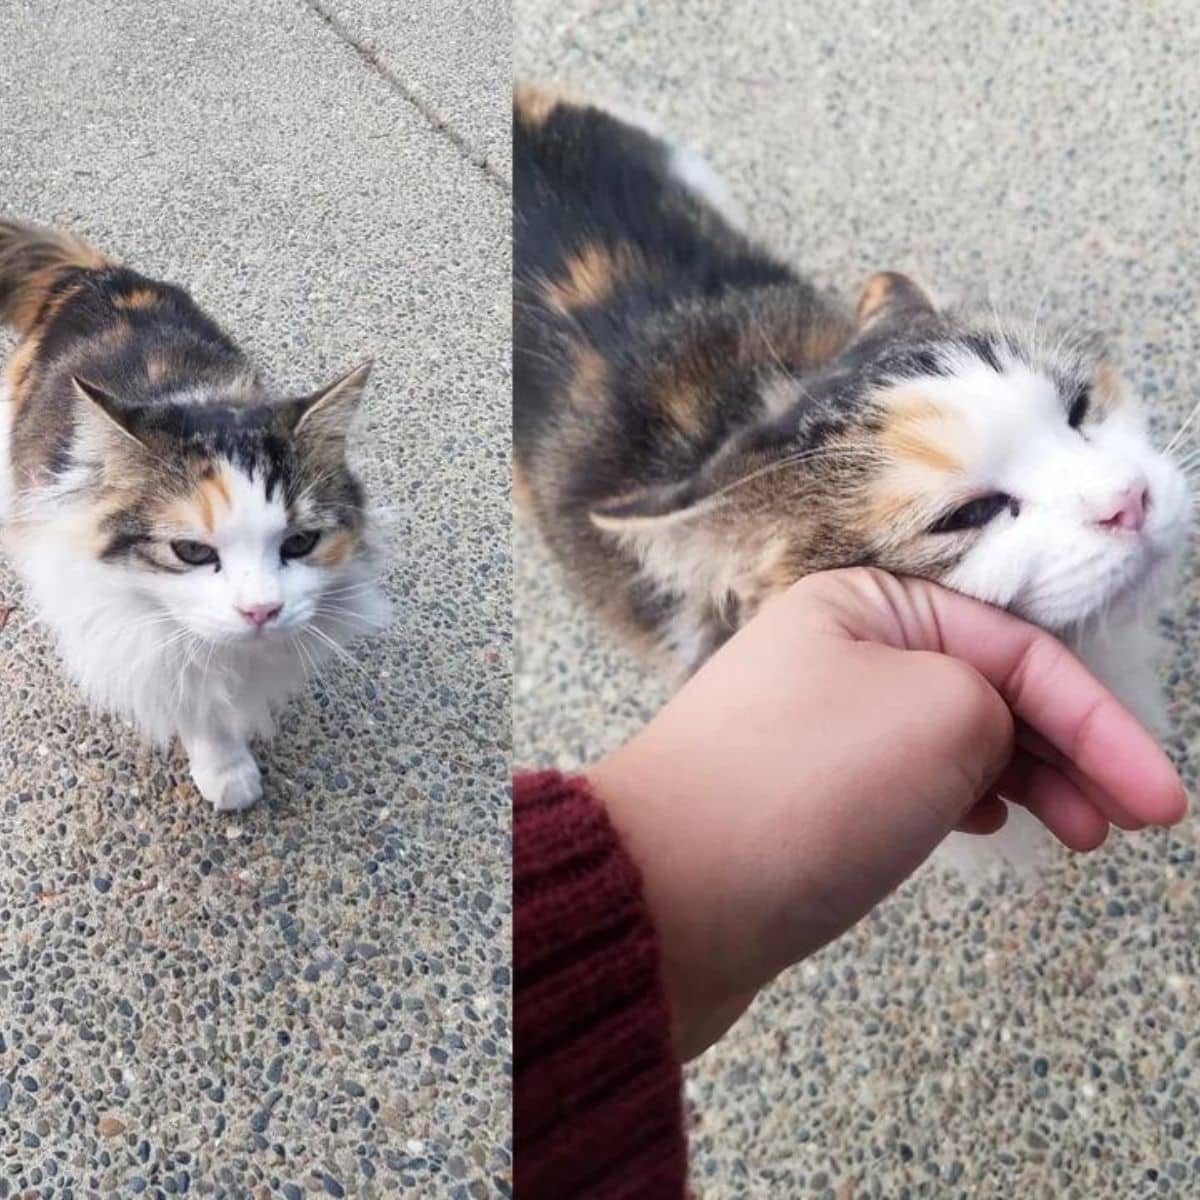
(920, 449)
(218, 484)
(533, 105)
(20, 365)
(1106, 386)
(890, 503)
(885, 289)
(140, 298)
(589, 278)
(205, 508)
(682, 405)
(824, 341)
(920, 439)
(28, 311)
(522, 490)
(199, 510)
(875, 296)
(589, 383)
(921, 433)
(114, 335)
(333, 550)
(158, 366)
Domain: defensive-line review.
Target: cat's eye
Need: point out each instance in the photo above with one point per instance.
(1079, 408)
(195, 554)
(975, 514)
(299, 544)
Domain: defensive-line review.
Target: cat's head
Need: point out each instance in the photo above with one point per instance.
(1008, 466)
(238, 521)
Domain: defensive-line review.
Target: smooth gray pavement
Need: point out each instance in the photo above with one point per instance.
(1030, 1041)
(452, 59)
(311, 998)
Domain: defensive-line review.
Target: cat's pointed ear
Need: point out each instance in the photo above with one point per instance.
(108, 413)
(327, 413)
(654, 508)
(890, 294)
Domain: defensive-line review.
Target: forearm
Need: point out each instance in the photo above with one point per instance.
(597, 1104)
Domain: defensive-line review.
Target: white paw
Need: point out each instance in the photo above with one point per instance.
(231, 787)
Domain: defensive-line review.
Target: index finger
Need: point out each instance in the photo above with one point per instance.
(1049, 689)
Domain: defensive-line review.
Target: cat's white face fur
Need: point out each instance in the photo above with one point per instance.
(1099, 511)
(253, 591)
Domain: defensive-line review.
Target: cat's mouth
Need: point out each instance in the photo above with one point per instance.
(1129, 594)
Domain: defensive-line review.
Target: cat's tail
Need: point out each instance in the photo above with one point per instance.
(33, 260)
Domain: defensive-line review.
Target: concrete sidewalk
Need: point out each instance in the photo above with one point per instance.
(1030, 1042)
(310, 999)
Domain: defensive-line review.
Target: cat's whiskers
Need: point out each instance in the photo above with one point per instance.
(313, 668)
(150, 621)
(159, 648)
(347, 618)
(297, 644)
(321, 677)
(993, 310)
(354, 589)
(339, 651)
(212, 650)
(1037, 313)
(194, 646)
(1183, 428)
(549, 360)
(864, 452)
(1189, 460)
(761, 329)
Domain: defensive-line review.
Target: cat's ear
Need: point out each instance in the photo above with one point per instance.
(108, 415)
(326, 415)
(890, 294)
(683, 504)
(654, 507)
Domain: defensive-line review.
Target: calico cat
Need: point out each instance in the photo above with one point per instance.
(197, 543)
(696, 426)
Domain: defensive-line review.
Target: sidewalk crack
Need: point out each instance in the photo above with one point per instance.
(370, 56)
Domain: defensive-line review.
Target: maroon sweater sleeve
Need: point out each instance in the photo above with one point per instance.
(597, 1108)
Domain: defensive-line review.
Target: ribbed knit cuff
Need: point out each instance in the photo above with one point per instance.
(597, 1109)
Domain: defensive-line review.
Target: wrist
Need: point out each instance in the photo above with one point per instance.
(702, 971)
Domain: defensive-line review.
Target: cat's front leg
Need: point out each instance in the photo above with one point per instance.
(223, 768)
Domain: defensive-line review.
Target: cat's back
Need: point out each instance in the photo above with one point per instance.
(587, 183)
(128, 333)
(617, 239)
(584, 178)
(90, 325)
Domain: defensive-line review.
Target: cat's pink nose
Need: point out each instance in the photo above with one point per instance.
(1128, 510)
(259, 614)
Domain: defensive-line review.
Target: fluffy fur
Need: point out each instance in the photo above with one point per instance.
(196, 543)
(696, 427)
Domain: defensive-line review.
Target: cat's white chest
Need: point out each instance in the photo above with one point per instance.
(1125, 659)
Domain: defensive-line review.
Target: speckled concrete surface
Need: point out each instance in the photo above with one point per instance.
(312, 998)
(452, 57)
(1029, 1041)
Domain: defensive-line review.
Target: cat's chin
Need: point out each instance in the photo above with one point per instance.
(1132, 600)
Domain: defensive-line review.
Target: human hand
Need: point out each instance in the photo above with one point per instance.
(821, 755)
